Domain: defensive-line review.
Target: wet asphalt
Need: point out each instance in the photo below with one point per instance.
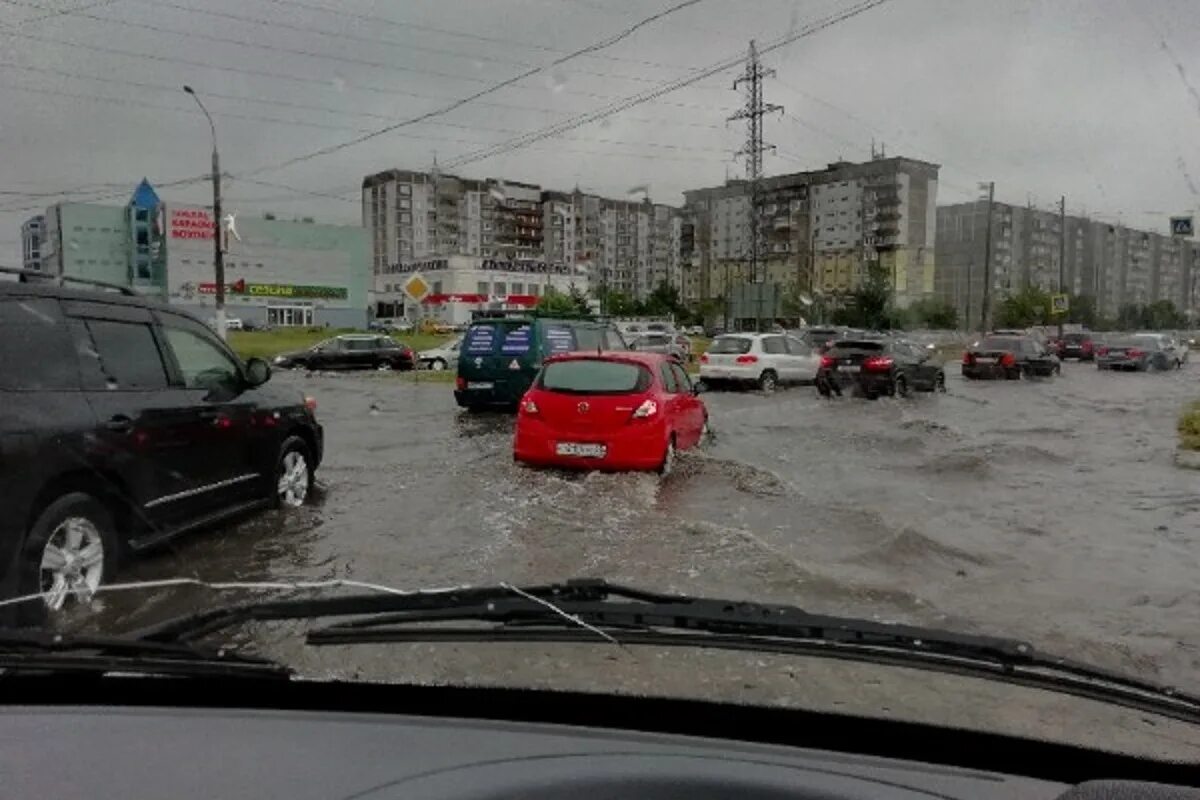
(1049, 510)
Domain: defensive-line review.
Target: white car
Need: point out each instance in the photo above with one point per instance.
(233, 324)
(440, 358)
(765, 360)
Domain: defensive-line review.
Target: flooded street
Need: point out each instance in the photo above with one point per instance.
(1046, 510)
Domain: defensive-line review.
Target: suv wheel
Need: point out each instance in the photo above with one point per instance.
(768, 381)
(939, 383)
(69, 551)
(293, 474)
(900, 386)
(438, 364)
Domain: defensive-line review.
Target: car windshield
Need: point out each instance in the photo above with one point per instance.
(594, 376)
(212, 210)
(730, 345)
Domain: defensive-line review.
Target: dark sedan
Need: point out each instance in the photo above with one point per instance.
(1134, 353)
(1010, 357)
(351, 351)
(878, 367)
(1077, 345)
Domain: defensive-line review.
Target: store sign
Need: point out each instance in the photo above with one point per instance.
(191, 223)
(277, 290)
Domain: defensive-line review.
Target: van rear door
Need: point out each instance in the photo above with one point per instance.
(497, 361)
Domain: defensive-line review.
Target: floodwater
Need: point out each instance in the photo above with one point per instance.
(1048, 510)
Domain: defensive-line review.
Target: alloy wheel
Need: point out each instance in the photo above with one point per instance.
(72, 562)
(438, 365)
(293, 479)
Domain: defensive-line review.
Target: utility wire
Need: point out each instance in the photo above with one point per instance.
(608, 42)
(670, 86)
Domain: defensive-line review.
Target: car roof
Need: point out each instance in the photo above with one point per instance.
(50, 290)
(648, 359)
(747, 335)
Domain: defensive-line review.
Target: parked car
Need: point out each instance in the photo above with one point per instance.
(440, 357)
(351, 351)
(255, 325)
(822, 337)
(397, 324)
(1010, 356)
(614, 411)
(125, 423)
(874, 367)
(1136, 353)
(664, 343)
(694, 330)
(501, 354)
(765, 360)
(1077, 345)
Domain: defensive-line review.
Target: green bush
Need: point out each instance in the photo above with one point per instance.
(1189, 427)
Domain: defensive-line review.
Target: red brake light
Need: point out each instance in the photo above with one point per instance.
(878, 364)
(1103, 351)
(827, 361)
(648, 408)
(704, 358)
(1086, 346)
(1008, 360)
(747, 359)
(968, 357)
(1135, 353)
(460, 383)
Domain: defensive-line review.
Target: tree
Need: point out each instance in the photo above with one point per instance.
(871, 300)
(934, 313)
(573, 303)
(1030, 306)
(1082, 311)
(662, 301)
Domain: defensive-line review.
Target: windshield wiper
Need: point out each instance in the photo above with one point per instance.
(34, 651)
(595, 610)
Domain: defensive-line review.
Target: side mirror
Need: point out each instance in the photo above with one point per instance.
(258, 372)
(699, 387)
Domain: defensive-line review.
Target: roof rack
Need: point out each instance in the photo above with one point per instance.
(62, 280)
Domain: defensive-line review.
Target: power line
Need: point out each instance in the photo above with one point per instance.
(670, 86)
(279, 76)
(608, 42)
(173, 89)
(63, 12)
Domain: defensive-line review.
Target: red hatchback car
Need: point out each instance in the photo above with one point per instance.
(619, 410)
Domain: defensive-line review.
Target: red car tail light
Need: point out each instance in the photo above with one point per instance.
(1086, 346)
(878, 364)
(647, 409)
(460, 383)
(1135, 353)
(1008, 360)
(704, 358)
(1103, 351)
(968, 357)
(827, 362)
(747, 359)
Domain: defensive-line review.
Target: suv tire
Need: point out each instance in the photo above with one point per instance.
(768, 381)
(293, 480)
(900, 386)
(71, 546)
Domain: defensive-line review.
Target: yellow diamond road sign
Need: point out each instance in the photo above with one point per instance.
(416, 288)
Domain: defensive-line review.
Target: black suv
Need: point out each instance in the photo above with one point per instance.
(123, 423)
(878, 366)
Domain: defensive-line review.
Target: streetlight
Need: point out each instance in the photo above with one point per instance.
(218, 256)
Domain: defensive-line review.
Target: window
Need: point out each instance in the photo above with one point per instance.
(32, 336)
(668, 379)
(681, 378)
(518, 288)
(202, 363)
(481, 287)
(437, 287)
(594, 376)
(501, 288)
(358, 345)
(774, 345)
(126, 354)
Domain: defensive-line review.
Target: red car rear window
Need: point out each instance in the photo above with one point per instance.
(594, 376)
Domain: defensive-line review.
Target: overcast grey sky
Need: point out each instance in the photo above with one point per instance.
(1095, 99)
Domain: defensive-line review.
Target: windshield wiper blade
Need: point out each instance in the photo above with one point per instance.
(24, 651)
(598, 611)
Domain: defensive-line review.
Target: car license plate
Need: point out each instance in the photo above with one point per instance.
(581, 450)
(481, 385)
(985, 361)
(850, 368)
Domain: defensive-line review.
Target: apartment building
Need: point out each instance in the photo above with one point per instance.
(1114, 264)
(820, 229)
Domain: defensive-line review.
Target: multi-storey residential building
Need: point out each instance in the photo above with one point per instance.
(622, 245)
(819, 230)
(33, 235)
(1113, 264)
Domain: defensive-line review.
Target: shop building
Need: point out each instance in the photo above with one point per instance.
(276, 271)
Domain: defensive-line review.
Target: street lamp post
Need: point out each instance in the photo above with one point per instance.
(218, 254)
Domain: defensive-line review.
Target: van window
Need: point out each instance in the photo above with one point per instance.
(560, 338)
(517, 340)
(480, 339)
(588, 337)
